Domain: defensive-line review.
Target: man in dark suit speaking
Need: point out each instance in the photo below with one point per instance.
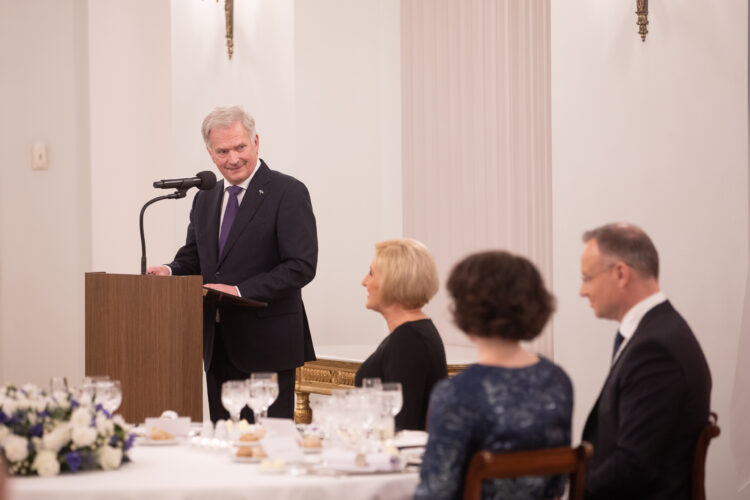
(656, 398)
(253, 235)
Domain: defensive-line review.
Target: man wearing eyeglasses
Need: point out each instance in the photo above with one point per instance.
(656, 398)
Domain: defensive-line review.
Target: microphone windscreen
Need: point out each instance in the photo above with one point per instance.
(208, 179)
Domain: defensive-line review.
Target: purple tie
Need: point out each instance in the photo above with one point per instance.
(229, 214)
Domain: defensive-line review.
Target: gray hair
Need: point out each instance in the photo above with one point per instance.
(628, 243)
(224, 117)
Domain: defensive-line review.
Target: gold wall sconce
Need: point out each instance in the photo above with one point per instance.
(641, 9)
(229, 18)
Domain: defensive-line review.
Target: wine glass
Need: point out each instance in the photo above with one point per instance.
(266, 387)
(393, 397)
(108, 393)
(233, 397)
(87, 391)
(256, 397)
(372, 383)
(58, 388)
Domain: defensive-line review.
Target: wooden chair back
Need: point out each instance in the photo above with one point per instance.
(546, 462)
(710, 431)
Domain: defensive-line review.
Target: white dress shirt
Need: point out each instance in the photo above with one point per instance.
(633, 317)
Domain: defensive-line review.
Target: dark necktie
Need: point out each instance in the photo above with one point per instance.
(229, 214)
(618, 342)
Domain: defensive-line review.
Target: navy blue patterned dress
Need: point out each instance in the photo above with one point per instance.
(496, 409)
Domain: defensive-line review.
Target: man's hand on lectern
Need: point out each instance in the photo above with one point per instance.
(158, 270)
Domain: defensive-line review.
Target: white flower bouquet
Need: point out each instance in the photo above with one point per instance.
(46, 435)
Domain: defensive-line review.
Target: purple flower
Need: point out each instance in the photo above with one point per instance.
(36, 430)
(74, 403)
(3, 417)
(100, 408)
(73, 459)
(113, 441)
(129, 442)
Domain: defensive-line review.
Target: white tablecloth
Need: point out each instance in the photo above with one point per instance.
(183, 472)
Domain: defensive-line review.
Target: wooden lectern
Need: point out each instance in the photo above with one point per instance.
(147, 332)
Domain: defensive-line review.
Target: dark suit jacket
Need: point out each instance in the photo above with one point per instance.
(270, 254)
(645, 424)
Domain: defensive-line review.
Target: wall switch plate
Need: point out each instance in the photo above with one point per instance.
(39, 156)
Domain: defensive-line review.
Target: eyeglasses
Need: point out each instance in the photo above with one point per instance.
(585, 278)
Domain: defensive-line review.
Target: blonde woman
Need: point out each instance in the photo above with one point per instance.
(401, 281)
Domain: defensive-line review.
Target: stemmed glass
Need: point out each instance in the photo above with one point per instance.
(87, 391)
(58, 388)
(264, 389)
(372, 383)
(108, 393)
(393, 397)
(234, 397)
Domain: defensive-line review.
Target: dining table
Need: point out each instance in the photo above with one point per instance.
(185, 472)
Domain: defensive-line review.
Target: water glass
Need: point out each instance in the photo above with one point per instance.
(372, 383)
(58, 388)
(108, 393)
(392, 397)
(264, 389)
(234, 397)
(87, 391)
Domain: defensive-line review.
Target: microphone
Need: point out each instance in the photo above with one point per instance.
(202, 180)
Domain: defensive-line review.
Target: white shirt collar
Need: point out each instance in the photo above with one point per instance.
(633, 317)
(636, 313)
(244, 184)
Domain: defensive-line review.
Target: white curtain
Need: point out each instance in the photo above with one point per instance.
(476, 134)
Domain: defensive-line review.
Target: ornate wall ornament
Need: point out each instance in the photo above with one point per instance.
(641, 9)
(229, 19)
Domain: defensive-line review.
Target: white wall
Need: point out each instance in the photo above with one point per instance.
(654, 133)
(44, 215)
(348, 117)
(131, 128)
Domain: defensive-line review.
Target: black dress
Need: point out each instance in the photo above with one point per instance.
(412, 354)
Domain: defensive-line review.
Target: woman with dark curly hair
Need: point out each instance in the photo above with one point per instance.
(512, 399)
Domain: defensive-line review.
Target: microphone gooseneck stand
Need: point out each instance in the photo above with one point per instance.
(180, 193)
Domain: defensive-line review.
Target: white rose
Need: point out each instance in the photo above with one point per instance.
(39, 404)
(9, 406)
(57, 438)
(31, 389)
(16, 448)
(4, 432)
(81, 418)
(109, 458)
(62, 403)
(119, 421)
(46, 463)
(84, 436)
(104, 425)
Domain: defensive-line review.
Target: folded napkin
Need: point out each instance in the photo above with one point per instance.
(348, 460)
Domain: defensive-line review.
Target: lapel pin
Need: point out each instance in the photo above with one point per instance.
(260, 191)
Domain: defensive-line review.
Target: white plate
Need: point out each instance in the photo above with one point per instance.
(408, 439)
(357, 469)
(247, 460)
(158, 442)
